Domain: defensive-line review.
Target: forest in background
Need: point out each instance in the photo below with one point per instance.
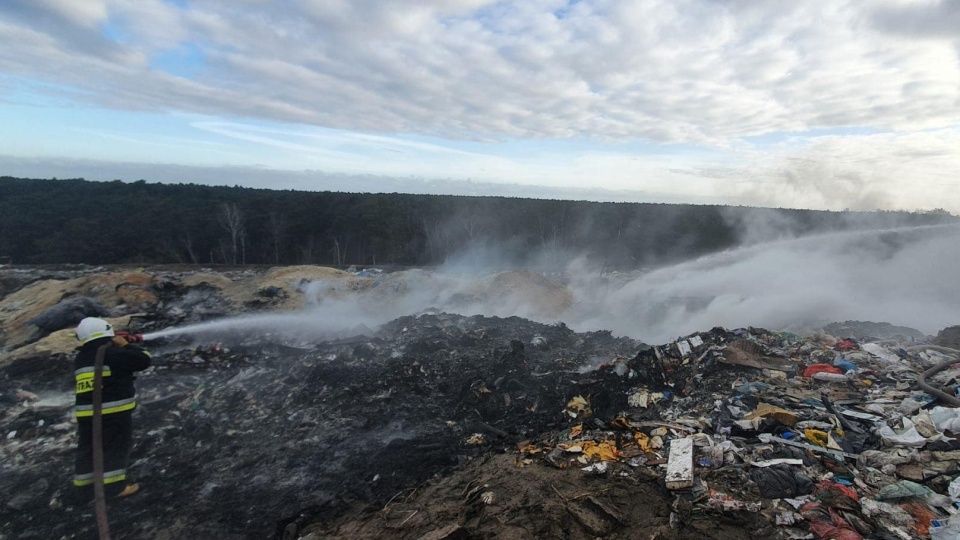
(79, 221)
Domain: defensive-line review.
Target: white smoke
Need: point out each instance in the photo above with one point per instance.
(906, 277)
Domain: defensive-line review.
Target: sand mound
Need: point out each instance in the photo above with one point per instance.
(59, 342)
(525, 293)
(284, 285)
(111, 290)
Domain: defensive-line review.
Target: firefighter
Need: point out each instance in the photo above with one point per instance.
(120, 363)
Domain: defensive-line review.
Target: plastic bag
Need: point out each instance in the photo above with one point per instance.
(908, 436)
(954, 489)
(903, 488)
(945, 529)
(946, 418)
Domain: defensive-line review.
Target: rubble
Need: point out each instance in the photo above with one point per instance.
(447, 426)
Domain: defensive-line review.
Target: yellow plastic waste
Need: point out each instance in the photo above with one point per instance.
(643, 441)
(817, 437)
(604, 450)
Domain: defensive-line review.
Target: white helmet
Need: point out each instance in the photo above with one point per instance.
(92, 328)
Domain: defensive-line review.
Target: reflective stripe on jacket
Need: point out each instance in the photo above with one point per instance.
(109, 477)
(120, 365)
(109, 407)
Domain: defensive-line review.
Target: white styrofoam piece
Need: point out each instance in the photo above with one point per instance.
(680, 464)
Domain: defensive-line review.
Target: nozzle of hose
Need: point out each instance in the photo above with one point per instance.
(131, 337)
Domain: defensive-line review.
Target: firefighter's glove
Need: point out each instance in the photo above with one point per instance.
(119, 341)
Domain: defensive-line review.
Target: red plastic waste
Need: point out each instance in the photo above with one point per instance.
(826, 524)
(847, 345)
(821, 368)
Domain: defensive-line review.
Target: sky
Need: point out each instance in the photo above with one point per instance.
(826, 104)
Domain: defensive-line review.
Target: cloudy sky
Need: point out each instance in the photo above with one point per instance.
(816, 104)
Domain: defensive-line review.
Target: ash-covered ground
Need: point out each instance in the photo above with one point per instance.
(434, 425)
(233, 440)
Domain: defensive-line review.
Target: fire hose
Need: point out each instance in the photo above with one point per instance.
(936, 392)
(98, 491)
(130, 337)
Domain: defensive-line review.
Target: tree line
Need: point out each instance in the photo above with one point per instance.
(79, 221)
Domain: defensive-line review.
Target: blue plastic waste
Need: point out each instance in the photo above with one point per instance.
(752, 387)
(845, 365)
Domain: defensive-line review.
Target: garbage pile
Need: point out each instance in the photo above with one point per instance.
(442, 426)
(789, 437)
(824, 437)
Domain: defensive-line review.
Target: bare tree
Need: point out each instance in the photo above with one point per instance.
(339, 253)
(278, 226)
(308, 249)
(188, 244)
(223, 252)
(232, 221)
(430, 234)
(473, 225)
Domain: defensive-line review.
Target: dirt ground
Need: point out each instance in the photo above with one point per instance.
(493, 497)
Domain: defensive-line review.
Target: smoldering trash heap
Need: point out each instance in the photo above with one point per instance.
(440, 425)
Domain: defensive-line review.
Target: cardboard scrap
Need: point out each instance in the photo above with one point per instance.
(747, 353)
(765, 410)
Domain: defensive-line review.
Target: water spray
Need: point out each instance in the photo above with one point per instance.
(307, 324)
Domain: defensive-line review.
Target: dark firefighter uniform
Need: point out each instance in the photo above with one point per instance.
(119, 399)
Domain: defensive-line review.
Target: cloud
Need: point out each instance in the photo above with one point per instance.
(87, 14)
(694, 71)
(936, 19)
(52, 31)
(880, 171)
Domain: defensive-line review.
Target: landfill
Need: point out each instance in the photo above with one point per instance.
(445, 426)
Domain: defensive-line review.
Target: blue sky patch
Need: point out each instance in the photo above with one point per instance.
(114, 31)
(185, 61)
(782, 136)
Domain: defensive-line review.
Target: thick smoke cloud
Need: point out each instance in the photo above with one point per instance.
(904, 276)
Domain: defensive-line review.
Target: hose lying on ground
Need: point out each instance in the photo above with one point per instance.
(103, 525)
(938, 348)
(936, 392)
